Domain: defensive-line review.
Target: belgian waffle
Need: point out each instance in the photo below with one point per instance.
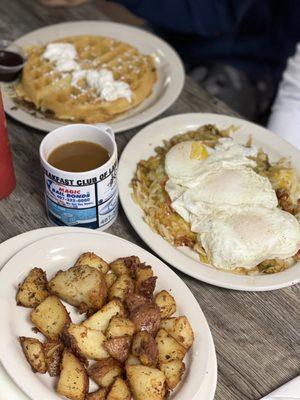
(51, 91)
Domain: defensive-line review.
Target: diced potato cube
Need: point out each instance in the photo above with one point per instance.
(82, 286)
(122, 287)
(166, 303)
(50, 317)
(119, 391)
(146, 383)
(104, 372)
(85, 342)
(100, 320)
(180, 329)
(110, 279)
(34, 353)
(145, 347)
(124, 265)
(33, 289)
(73, 380)
(173, 371)
(119, 326)
(94, 261)
(53, 350)
(118, 347)
(168, 348)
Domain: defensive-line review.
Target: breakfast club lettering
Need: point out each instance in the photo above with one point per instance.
(83, 182)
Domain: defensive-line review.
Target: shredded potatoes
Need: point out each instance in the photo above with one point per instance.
(149, 193)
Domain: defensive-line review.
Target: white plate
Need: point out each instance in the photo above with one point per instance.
(9, 248)
(55, 252)
(166, 90)
(183, 258)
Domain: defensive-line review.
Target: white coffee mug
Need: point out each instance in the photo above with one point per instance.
(86, 199)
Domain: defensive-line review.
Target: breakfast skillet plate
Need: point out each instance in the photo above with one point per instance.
(170, 72)
(183, 258)
(52, 252)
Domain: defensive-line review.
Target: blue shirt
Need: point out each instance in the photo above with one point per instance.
(256, 36)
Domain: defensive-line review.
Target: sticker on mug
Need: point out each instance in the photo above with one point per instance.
(84, 199)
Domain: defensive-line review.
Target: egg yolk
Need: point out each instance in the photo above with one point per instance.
(198, 151)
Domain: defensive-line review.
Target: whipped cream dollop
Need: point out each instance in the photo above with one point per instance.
(64, 55)
(104, 83)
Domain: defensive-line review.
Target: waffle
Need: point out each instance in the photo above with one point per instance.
(51, 91)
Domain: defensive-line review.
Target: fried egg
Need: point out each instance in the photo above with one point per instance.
(186, 162)
(226, 189)
(249, 236)
(231, 207)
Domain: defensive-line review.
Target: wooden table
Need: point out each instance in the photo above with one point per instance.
(256, 334)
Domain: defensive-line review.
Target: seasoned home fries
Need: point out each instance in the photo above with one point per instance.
(129, 344)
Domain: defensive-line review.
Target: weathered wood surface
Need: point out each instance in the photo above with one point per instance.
(256, 334)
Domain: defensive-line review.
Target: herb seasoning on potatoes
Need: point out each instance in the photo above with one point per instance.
(129, 343)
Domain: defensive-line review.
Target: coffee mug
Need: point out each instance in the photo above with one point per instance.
(86, 199)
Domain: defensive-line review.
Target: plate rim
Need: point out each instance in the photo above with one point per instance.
(211, 354)
(165, 250)
(161, 105)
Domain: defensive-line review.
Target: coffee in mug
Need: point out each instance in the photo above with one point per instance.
(79, 156)
(80, 169)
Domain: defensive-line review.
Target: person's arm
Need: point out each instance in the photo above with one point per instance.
(203, 17)
(285, 116)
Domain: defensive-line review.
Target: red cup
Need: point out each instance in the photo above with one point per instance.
(7, 175)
